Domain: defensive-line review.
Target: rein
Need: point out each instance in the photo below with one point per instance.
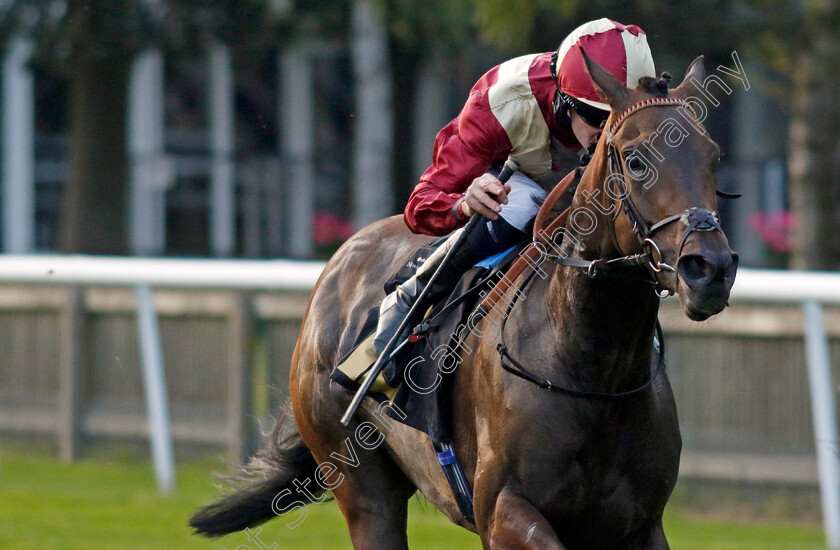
(517, 369)
(511, 365)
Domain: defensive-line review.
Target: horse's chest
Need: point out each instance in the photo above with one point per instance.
(614, 492)
(603, 479)
(593, 504)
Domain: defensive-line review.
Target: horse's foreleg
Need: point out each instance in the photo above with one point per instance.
(517, 525)
(375, 521)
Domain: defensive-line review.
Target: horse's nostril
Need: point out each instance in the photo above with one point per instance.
(699, 270)
(731, 268)
(695, 270)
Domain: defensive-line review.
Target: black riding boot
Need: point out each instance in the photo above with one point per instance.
(397, 304)
(488, 238)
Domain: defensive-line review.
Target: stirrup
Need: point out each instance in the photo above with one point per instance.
(356, 365)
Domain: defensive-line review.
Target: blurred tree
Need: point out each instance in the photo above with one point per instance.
(420, 34)
(814, 140)
(91, 44)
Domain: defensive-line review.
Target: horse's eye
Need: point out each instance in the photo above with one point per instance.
(635, 164)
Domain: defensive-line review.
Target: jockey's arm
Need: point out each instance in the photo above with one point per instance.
(464, 151)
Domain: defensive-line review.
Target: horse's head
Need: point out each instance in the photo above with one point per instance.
(658, 169)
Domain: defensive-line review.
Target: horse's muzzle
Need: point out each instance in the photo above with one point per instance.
(706, 277)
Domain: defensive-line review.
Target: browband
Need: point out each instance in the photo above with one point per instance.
(644, 104)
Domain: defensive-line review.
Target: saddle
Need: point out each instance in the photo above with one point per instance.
(433, 331)
(424, 398)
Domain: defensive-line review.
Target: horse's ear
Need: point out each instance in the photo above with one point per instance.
(696, 72)
(608, 85)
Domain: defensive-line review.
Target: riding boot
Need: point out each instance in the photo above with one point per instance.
(487, 238)
(396, 305)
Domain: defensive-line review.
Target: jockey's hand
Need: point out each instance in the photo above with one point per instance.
(485, 196)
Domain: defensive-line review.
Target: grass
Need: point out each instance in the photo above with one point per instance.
(99, 504)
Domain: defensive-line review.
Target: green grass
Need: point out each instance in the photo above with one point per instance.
(96, 504)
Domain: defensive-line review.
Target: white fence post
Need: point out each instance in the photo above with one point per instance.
(18, 149)
(429, 112)
(151, 172)
(297, 142)
(825, 420)
(154, 383)
(373, 132)
(222, 206)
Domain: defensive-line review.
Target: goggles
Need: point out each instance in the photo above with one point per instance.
(590, 115)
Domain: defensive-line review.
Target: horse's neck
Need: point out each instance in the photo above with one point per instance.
(603, 321)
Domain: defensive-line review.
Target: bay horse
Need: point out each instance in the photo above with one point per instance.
(548, 470)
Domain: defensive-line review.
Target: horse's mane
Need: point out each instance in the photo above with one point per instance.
(657, 87)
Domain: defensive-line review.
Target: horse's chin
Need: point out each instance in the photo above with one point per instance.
(699, 305)
(696, 314)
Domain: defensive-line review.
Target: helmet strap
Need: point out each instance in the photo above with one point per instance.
(553, 67)
(561, 106)
(560, 103)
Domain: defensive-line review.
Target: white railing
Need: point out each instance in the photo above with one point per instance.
(759, 285)
(751, 285)
(161, 272)
(811, 289)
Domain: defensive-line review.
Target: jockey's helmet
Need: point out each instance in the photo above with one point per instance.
(621, 49)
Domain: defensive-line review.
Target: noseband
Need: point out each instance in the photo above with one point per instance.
(694, 219)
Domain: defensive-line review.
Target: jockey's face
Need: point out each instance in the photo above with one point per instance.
(585, 133)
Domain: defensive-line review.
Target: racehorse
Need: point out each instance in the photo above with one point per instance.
(588, 467)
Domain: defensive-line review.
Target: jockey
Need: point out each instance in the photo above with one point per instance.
(541, 109)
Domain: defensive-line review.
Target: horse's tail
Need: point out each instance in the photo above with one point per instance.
(263, 488)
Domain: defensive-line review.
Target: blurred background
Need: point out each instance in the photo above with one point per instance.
(266, 129)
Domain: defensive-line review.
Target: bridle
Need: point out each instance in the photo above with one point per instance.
(694, 219)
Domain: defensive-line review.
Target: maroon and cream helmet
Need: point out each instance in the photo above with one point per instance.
(621, 49)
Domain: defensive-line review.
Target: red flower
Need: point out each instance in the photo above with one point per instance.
(328, 229)
(774, 229)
